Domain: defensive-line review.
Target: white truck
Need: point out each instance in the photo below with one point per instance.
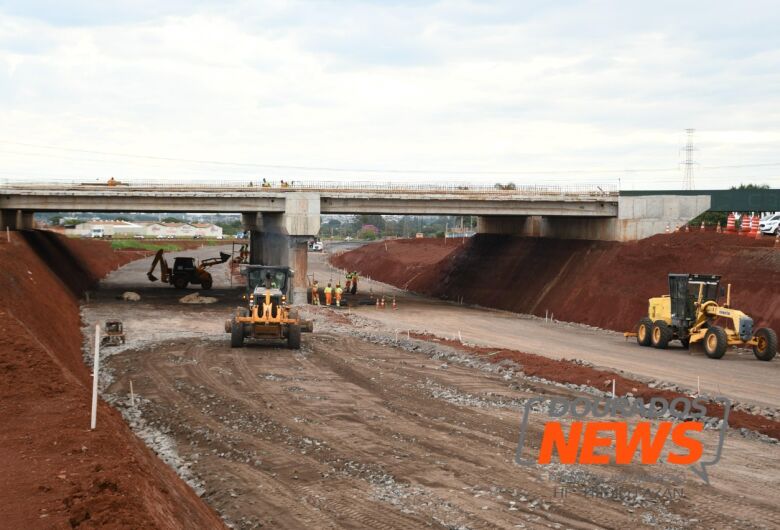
(97, 233)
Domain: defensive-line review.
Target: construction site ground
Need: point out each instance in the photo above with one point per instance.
(368, 426)
(738, 374)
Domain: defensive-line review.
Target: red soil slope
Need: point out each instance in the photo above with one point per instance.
(601, 283)
(54, 471)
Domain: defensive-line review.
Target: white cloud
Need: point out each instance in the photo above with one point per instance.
(450, 85)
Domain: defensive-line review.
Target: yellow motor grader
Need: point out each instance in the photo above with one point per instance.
(691, 314)
(268, 314)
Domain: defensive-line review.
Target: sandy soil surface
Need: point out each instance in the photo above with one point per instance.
(738, 375)
(364, 428)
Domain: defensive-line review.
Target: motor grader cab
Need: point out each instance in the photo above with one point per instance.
(692, 313)
(185, 270)
(267, 314)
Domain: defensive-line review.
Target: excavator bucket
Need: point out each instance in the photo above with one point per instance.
(152, 277)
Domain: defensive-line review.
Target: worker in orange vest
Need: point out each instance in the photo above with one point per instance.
(328, 294)
(354, 281)
(339, 292)
(348, 283)
(315, 293)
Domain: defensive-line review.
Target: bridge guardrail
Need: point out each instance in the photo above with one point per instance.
(532, 190)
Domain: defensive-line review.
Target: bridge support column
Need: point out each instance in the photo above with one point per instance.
(282, 238)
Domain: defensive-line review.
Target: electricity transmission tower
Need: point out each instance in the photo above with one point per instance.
(688, 163)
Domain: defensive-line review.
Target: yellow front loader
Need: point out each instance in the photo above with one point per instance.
(691, 314)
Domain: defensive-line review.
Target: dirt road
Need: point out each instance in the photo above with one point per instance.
(361, 429)
(738, 375)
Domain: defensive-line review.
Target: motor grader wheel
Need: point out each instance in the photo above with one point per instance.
(236, 334)
(715, 342)
(644, 331)
(661, 335)
(294, 337)
(766, 347)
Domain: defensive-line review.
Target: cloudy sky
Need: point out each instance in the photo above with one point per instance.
(528, 91)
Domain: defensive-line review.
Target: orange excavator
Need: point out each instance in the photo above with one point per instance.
(185, 271)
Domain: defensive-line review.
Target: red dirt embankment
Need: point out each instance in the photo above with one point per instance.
(56, 473)
(600, 283)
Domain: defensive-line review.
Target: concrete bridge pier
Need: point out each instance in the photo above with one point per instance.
(17, 219)
(282, 238)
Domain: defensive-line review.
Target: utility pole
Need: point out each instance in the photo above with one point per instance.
(689, 163)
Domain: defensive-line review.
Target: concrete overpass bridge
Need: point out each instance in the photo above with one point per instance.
(281, 219)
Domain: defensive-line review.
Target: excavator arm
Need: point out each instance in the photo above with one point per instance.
(164, 270)
(223, 257)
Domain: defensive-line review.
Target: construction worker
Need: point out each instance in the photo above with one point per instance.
(339, 292)
(354, 281)
(315, 293)
(348, 283)
(328, 294)
(265, 184)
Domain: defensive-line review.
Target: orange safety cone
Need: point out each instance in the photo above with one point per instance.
(719, 230)
(382, 304)
(395, 306)
(731, 224)
(754, 225)
(687, 227)
(702, 227)
(377, 302)
(777, 240)
(759, 235)
(745, 226)
(667, 228)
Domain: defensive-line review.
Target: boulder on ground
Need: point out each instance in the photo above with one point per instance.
(196, 298)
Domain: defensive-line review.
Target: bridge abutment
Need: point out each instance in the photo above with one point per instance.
(17, 219)
(638, 217)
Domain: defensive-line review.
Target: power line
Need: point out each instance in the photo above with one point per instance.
(252, 165)
(344, 169)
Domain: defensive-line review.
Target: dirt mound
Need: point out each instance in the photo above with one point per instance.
(413, 264)
(56, 472)
(601, 283)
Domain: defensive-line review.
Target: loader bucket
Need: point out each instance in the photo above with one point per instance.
(224, 256)
(152, 277)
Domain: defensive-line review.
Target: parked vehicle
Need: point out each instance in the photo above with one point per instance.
(770, 224)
